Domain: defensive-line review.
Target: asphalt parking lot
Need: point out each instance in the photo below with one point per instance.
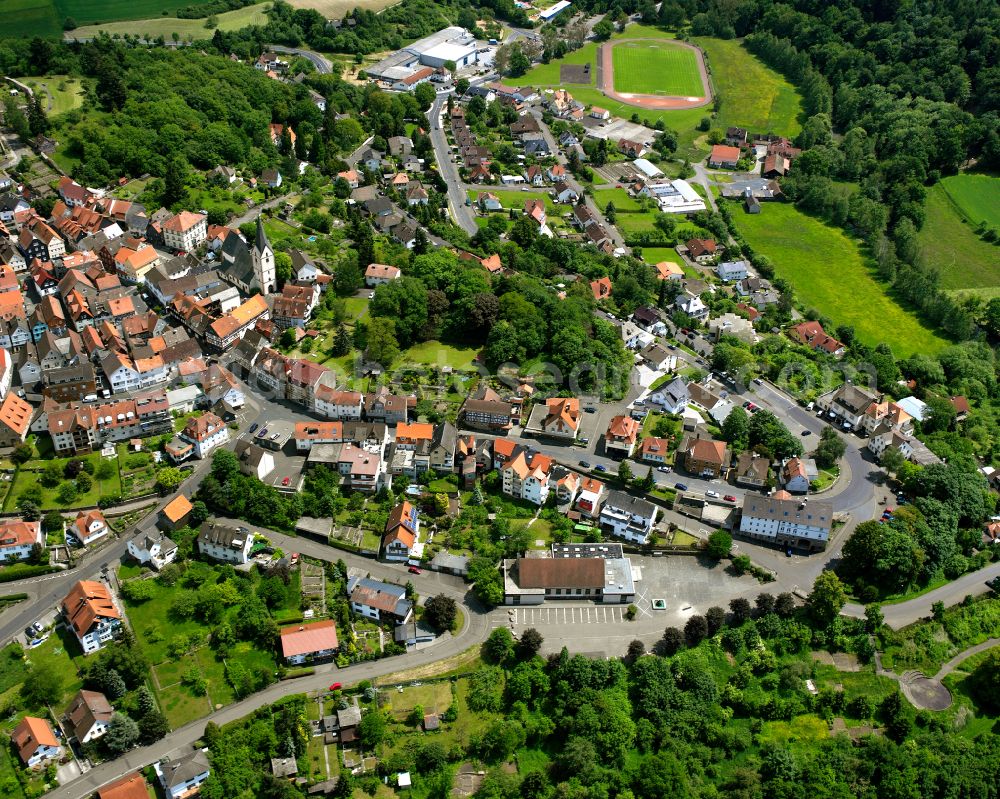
(688, 585)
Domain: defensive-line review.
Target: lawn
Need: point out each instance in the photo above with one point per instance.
(515, 198)
(59, 651)
(432, 697)
(951, 246)
(620, 197)
(821, 261)
(151, 26)
(977, 197)
(26, 479)
(649, 67)
(58, 93)
(436, 353)
(655, 255)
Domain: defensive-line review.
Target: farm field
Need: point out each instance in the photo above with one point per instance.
(650, 67)
(967, 263)
(57, 93)
(821, 262)
(976, 196)
(167, 26)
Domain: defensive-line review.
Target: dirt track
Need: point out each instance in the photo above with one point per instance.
(606, 82)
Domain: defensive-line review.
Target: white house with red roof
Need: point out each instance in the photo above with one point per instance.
(88, 527)
(379, 274)
(185, 231)
(309, 642)
(17, 537)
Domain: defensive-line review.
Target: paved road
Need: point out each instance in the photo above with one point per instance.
(323, 65)
(460, 212)
(902, 613)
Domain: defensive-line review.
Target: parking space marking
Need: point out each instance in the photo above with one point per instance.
(565, 615)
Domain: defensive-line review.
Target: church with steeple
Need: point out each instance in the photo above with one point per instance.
(249, 268)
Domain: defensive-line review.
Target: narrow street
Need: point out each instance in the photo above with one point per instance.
(460, 212)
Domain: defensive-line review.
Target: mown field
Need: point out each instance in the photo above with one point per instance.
(976, 196)
(46, 17)
(830, 273)
(58, 93)
(185, 28)
(964, 261)
(651, 67)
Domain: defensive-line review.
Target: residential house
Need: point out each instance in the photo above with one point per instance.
(724, 157)
(704, 457)
(293, 307)
(90, 612)
(89, 715)
(564, 193)
(812, 335)
(562, 417)
(673, 397)
(18, 537)
(133, 786)
(175, 514)
(588, 500)
(628, 517)
(691, 305)
(797, 474)
(379, 274)
(199, 437)
(601, 288)
(484, 409)
(182, 777)
(225, 543)
(383, 406)
(383, 602)
(155, 549)
(632, 149)
(556, 173)
(655, 450)
(255, 461)
(701, 251)
(778, 519)
(309, 642)
(620, 437)
(402, 530)
(15, 419)
(752, 470)
(848, 403)
(88, 527)
(488, 201)
(526, 476)
(35, 742)
(667, 270)
(599, 113)
(730, 271)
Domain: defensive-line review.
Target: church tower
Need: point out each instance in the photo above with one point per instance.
(263, 262)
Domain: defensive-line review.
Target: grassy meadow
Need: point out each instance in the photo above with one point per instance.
(831, 274)
(964, 261)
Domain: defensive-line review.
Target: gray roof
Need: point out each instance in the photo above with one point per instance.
(630, 504)
(260, 241)
(792, 511)
(184, 769)
(221, 535)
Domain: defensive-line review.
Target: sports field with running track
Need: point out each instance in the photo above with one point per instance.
(658, 67)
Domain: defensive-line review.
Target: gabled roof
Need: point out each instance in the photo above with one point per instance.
(32, 733)
(305, 639)
(15, 415)
(131, 787)
(179, 507)
(88, 708)
(87, 602)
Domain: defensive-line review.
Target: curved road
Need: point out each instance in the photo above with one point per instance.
(475, 630)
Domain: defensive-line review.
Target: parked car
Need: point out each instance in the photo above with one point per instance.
(713, 494)
(729, 498)
(664, 469)
(601, 467)
(584, 465)
(286, 480)
(807, 432)
(37, 627)
(680, 486)
(253, 427)
(414, 570)
(590, 409)
(336, 686)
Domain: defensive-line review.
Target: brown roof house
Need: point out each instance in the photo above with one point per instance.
(312, 641)
(752, 470)
(558, 417)
(89, 715)
(621, 436)
(703, 456)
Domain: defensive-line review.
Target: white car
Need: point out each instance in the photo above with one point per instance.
(665, 469)
(712, 494)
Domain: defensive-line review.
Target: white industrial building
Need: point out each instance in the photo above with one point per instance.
(452, 44)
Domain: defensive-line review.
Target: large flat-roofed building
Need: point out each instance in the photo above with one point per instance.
(451, 44)
(531, 581)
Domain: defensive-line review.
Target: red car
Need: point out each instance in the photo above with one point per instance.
(729, 498)
(286, 481)
(414, 570)
(336, 686)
